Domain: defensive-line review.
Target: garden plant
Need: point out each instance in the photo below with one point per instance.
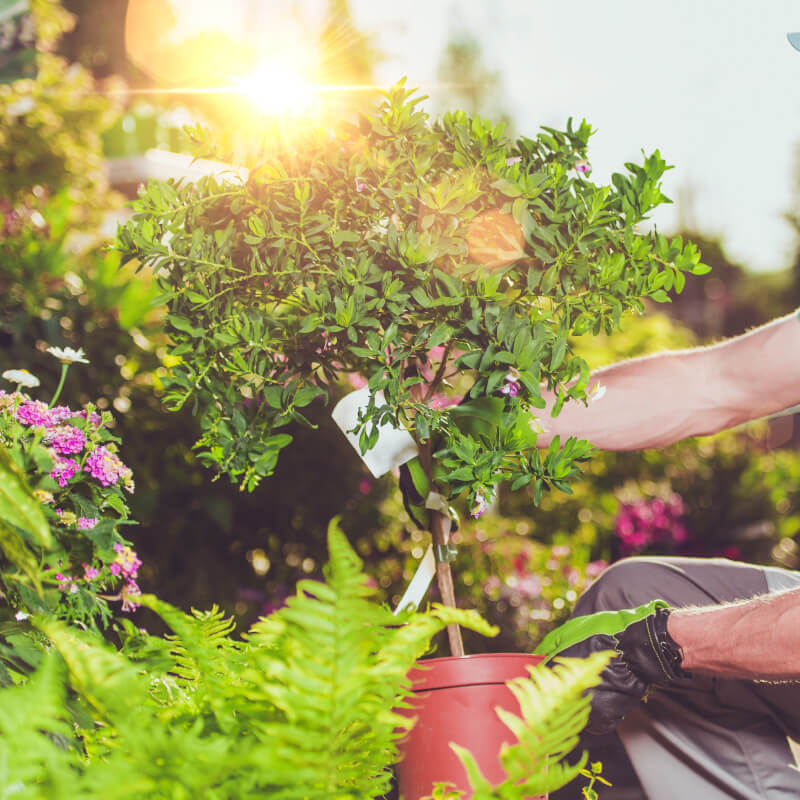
(441, 263)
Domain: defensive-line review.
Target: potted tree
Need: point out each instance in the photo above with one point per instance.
(445, 265)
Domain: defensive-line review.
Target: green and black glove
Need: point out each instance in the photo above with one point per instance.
(646, 655)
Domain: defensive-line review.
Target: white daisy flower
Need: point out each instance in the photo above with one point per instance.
(21, 377)
(67, 355)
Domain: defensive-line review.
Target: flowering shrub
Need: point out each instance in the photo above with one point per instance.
(67, 459)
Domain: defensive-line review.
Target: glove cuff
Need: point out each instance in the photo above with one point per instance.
(667, 650)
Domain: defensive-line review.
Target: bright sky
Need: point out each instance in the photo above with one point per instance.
(713, 84)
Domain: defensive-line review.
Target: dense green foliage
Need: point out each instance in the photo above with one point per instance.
(414, 254)
(304, 708)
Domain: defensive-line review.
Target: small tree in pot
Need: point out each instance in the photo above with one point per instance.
(439, 261)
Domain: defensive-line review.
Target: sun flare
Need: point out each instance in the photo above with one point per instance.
(278, 89)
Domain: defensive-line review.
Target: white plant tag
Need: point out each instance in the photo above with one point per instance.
(394, 446)
(419, 583)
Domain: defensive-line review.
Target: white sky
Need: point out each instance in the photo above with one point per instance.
(713, 84)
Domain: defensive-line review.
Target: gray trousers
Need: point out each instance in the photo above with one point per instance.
(715, 739)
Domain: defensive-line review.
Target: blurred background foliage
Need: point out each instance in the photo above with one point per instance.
(737, 494)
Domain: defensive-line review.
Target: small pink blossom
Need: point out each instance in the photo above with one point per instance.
(64, 470)
(127, 561)
(90, 573)
(87, 523)
(130, 594)
(66, 439)
(511, 386)
(479, 506)
(365, 486)
(583, 166)
(361, 186)
(34, 412)
(106, 467)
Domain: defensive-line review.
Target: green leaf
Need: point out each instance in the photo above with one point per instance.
(18, 506)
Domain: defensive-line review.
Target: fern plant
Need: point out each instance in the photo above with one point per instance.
(305, 708)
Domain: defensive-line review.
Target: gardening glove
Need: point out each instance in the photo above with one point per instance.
(645, 655)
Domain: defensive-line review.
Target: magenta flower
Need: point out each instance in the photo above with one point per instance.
(127, 561)
(87, 523)
(130, 594)
(583, 166)
(94, 419)
(649, 522)
(360, 185)
(64, 470)
(90, 573)
(58, 414)
(106, 467)
(66, 439)
(34, 412)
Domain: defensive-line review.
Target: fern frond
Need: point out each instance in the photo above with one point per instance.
(555, 709)
(335, 664)
(205, 657)
(35, 736)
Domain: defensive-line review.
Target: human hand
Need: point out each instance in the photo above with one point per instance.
(645, 655)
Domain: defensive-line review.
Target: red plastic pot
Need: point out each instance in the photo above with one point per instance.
(454, 701)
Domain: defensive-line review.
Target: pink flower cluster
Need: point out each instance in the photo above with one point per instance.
(107, 468)
(650, 522)
(127, 565)
(64, 470)
(65, 439)
(68, 440)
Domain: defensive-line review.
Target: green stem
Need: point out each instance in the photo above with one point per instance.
(64, 370)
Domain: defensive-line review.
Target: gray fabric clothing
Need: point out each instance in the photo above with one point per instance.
(715, 738)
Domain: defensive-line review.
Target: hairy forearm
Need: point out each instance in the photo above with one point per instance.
(754, 639)
(657, 400)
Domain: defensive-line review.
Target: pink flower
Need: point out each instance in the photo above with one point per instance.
(94, 419)
(106, 467)
(58, 414)
(480, 505)
(130, 594)
(365, 486)
(34, 412)
(64, 470)
(66, 439)
(87, 523)
(361, 186)
(511, 386)
(90, 573)
(127, 561)
(583, 166)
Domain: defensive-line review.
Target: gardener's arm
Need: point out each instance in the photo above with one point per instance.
(657, 400)
(754, 639)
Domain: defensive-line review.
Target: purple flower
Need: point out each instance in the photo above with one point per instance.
(64, 470)
(87, 523)
(480, 505)
(66, 439)
(583, 166)
(58, 414)
(94, 419)
(106, 466)
(127, 561)
(360, 185)
(130, 594)
(90, 573)
(34, 412)
(511, 386)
